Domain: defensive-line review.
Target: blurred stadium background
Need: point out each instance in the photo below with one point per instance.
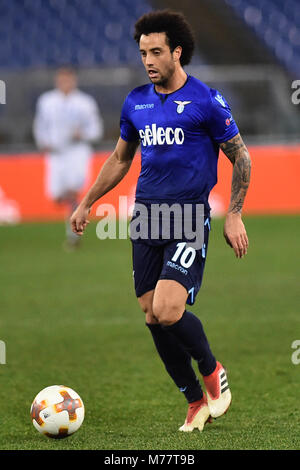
(248, 49)
(52, 301)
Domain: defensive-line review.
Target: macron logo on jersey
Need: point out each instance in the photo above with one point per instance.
(144, 106)
(220, 99)
(159, 136)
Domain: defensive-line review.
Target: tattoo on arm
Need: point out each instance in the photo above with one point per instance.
(238, 154)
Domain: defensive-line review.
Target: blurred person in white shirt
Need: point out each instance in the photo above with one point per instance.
(66, 125)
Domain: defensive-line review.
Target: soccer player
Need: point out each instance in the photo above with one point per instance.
(181, 124)
(66, 124)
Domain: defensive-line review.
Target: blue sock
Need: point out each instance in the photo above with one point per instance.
(189, 332)
(177, 361)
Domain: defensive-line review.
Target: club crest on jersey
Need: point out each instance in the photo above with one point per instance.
(181, 105)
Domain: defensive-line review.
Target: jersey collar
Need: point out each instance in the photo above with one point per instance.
(164, 96)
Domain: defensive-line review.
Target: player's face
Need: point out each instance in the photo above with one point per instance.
(157, 57)
(65, 81)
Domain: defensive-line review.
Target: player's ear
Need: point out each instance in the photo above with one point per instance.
(177, 53)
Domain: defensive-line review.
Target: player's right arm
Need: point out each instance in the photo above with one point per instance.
(111, 173)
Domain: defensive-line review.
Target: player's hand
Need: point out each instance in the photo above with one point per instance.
(79, 219)
(235, 234)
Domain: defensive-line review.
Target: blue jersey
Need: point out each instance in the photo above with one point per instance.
(180, 133)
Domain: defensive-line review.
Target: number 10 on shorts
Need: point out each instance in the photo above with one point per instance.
(186, 254)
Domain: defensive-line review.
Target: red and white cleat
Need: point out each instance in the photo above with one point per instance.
(198, 414)
(218, 392)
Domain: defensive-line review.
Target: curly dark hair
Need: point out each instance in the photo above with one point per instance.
(176, 27)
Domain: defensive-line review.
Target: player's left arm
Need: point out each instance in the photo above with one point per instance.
(234, 229)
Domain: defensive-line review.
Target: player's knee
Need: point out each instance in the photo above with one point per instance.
(149, 317)
(146, 305)
(167, 311)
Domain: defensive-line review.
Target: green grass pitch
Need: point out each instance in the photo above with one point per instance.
(73, 319)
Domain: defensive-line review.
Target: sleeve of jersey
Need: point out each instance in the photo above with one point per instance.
(221, 124)
(127, 131)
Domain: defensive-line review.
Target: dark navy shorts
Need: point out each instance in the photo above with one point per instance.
(173, 259)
